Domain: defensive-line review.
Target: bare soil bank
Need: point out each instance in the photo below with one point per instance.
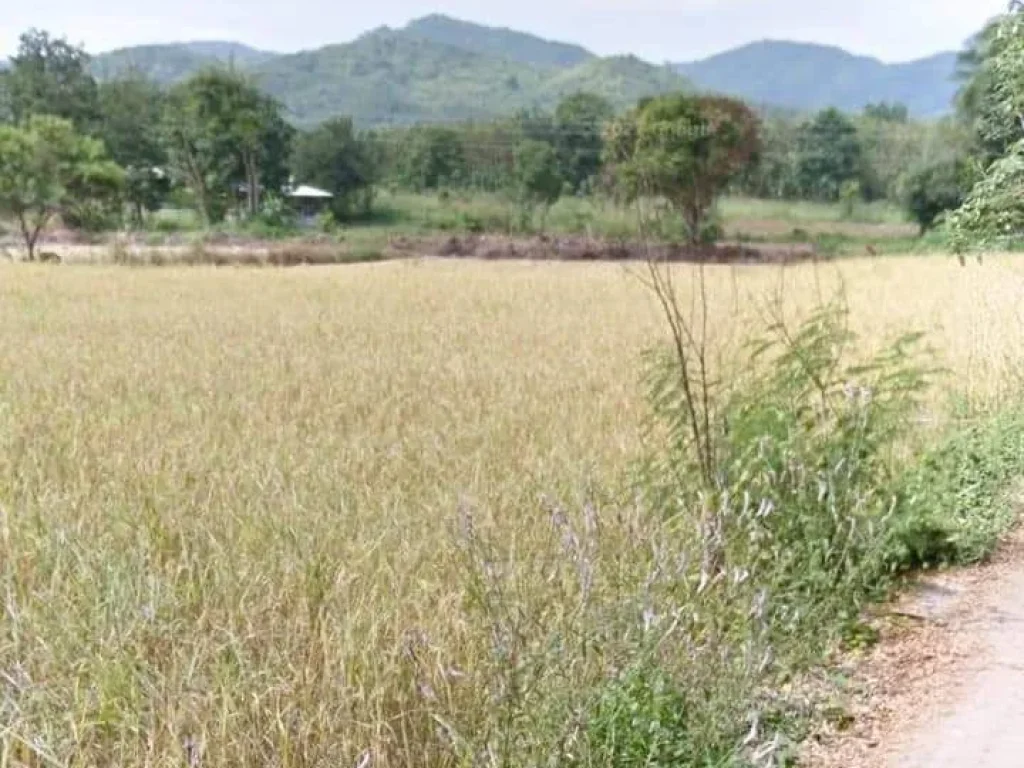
(230, 250)
(569, 248)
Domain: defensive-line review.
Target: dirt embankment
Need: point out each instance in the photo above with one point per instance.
(223, 249)
(574, 248)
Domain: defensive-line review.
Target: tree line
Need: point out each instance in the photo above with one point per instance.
(217, 143)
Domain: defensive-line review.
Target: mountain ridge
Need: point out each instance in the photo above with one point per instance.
(524, 47)
(438, 67)
(811, 76)
(387, 76)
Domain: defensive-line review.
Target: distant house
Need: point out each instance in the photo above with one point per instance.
(308, 201)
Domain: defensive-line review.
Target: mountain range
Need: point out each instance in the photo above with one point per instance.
(806, 77)
(438, 68)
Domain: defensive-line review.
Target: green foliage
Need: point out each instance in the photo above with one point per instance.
(221, 133)
(620, 80)
(326, 223)
(640, 720)
(994, 100)
(537, 180)
(275, 213)
(685, 149)
(386, 77)
(991, 98)
(933, 190)
(46, 169)
(958, 494)
(49, 76)
(993, 211)
(889, 150)
(889, 113)
(432, 157)
(830, 155)
(579, 127)
(849, 195)
(775, 173)
(132, 113)
(335, 158)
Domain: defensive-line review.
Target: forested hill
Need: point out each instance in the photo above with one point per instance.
(495, 41)
(408, 75)
(810, 77)
(440, 68)
(176, 61)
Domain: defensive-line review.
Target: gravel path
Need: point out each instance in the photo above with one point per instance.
(982, 726)
(945, 686)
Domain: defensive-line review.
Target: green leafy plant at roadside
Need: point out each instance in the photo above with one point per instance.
(765, 516)
(957, 496)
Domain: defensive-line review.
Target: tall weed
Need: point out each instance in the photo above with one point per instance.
(652, 634)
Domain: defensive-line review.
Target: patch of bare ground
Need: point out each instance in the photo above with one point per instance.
(923, 672)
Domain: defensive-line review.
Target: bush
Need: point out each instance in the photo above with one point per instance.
(932, 190)
(849, 195)
(93, 216)
(776, 501)
(326, 223)
(275, 214)
(955, 496)
(765, 517)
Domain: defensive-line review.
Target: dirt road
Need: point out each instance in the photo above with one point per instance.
(945, 686)
(982, 725)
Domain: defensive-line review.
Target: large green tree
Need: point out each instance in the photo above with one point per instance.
(775, 174)
(685, 149)
(537, 180)
(830, 155)
(981, 102)
(888, 152)
(131, 110)
(932, 190)
(50, 76)
(432, 157)
(993, 210)
(336, 158)
(580, 120)
(47, 168)
(222, 133)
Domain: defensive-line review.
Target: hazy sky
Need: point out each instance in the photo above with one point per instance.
(658, 30)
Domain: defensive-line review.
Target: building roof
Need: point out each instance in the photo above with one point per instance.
(307, 191)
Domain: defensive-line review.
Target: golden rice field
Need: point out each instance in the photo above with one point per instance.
(227, 496)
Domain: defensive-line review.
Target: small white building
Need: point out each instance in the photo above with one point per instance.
(308, 200)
